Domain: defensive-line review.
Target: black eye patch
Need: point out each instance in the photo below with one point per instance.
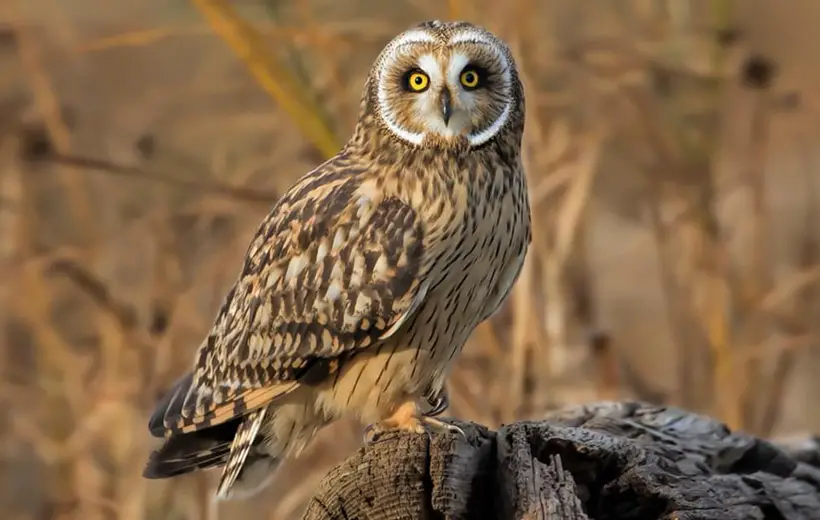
(474, 76)
(415, 80)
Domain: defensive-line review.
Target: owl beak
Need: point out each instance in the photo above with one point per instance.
(446, 106)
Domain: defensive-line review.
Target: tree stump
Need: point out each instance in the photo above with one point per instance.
(603, 461)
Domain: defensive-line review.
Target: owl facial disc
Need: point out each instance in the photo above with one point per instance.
(445, 86)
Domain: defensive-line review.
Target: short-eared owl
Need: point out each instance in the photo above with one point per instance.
(368, 276)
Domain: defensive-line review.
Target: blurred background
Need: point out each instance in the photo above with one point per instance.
(671, 150)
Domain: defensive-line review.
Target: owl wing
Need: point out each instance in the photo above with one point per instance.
(330, 271)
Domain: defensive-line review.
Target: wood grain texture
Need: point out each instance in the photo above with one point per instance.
(603, 461)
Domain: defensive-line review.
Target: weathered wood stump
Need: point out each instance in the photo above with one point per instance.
(602, 461)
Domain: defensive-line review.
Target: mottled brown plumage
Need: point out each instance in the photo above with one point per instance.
(368, 276)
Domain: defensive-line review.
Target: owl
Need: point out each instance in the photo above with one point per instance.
(365, 280)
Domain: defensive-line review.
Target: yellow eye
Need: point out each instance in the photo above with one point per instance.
(469, 78)
(418, 81)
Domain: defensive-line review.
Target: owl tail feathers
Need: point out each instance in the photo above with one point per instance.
(169, 405)
(246, 469)
(239, 450)
(182, 454)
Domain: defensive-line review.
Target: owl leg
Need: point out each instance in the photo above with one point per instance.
(409, 418)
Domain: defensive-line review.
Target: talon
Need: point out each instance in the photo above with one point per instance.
(372, 434)
(441, 427)
(438, 403)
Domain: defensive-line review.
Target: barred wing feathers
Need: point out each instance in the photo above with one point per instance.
(335, 266)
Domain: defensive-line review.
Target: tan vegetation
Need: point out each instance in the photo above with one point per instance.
(672, 173)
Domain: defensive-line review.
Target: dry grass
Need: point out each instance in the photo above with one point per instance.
(136, 159)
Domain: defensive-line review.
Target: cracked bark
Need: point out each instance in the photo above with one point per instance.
(602, 461)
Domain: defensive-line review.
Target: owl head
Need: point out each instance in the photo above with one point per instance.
(445, 84)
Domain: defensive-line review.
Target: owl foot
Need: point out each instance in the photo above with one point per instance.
(408, 418)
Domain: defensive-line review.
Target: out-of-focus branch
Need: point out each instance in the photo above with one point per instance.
(95, 288)
(49, 107)
(331, 33)
(269, 73)
(100, 165)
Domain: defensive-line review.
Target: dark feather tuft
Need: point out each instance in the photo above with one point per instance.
(183, 453)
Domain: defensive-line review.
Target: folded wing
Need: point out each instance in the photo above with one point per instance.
(330, 271)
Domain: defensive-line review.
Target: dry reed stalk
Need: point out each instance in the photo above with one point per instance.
(327, 54)
(560, 252)
(570, 215)
(702, 265)
(715, 310)
(276, 80)
(49, 107)
(137, 490)
(728, 383)
(166, 286)
(794, 283)
(95, 493)
(106, 463)
(807, 291)
(759, 279)
(329, 33)
(81, 468)
(524, 337)
(46, 425)
(12, 396)
(679, 314)
(213, 188)
(701, 268)
(157, 220)
(11, 195)
(50, 421)
(487, 341)
(525, 334)
(527, 337)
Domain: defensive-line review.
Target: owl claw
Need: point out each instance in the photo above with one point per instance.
(438, 403)
(441, 427)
